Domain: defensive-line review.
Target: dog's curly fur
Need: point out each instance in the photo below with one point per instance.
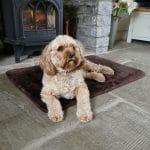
(64, 69)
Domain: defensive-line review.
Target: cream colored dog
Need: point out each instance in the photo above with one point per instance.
(64, 69)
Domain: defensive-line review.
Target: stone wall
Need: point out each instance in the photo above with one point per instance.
(94, 20)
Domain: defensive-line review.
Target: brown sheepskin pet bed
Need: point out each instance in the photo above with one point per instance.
(28, 80)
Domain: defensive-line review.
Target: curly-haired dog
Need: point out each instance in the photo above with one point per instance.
(65, 68)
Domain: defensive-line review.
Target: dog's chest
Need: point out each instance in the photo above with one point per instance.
(64, 85)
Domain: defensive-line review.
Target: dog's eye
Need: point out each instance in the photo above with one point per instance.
(60, 48)
(73, 47)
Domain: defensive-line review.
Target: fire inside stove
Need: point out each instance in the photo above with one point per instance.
(39, 16)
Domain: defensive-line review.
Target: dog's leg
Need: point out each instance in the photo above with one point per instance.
(99, 77)
(92, 67)
(55, 112)
(84, 112)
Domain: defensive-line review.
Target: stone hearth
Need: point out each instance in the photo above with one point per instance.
(94, 20)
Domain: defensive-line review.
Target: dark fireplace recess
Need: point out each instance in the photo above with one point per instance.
(30, 24)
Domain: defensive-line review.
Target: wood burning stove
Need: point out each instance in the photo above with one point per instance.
(30, 24)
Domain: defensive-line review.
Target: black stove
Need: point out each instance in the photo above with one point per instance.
(30, 24)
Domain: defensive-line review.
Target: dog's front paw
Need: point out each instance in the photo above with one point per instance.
(85, 117)
(99, 77)
(108, 71)
(56, 116)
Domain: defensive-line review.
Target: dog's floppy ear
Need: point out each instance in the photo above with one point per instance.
(46, 63)
(81, 47)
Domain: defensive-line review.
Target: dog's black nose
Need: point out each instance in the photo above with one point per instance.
(71, 55)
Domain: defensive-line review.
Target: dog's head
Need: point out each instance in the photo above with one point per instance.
(62, 54)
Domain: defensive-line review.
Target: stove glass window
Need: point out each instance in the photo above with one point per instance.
(39, 15)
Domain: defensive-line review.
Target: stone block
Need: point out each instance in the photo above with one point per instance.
(93, 31)
(97, 50)
(102, 41)
(103, 20)
(105, 7)
(103, 31)
(79, 3)
(86, 41)
(98, 44)
(86, 19)
(96, 20)
(91, 10)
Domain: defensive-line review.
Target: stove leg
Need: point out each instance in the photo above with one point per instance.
(18, 49)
